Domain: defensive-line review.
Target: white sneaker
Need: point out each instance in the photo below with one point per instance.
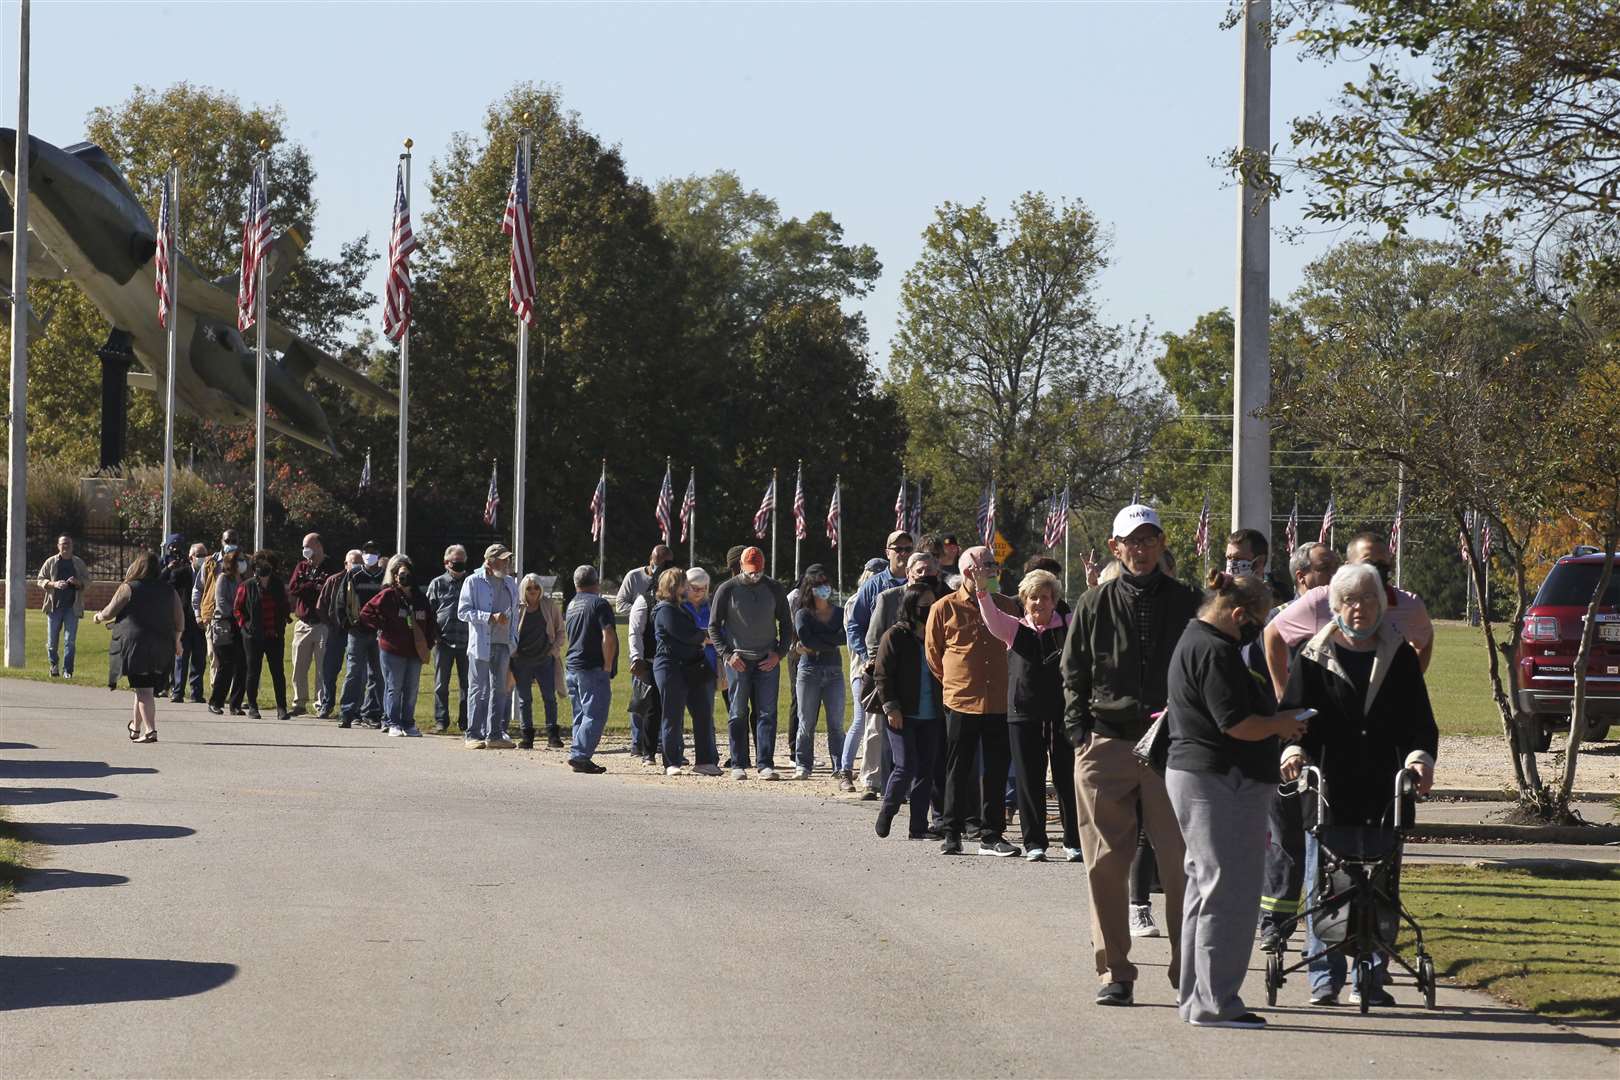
(473, 744)
(768, 773)
(706, 770)
(739, 774)
(395, 731)
(1073, 854)
(1035, 854)
(1142, 924)
(673, 770)
(801, 773)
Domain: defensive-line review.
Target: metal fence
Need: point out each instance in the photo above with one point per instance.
(108, 551)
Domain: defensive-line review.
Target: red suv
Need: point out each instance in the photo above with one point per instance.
(1552, 634)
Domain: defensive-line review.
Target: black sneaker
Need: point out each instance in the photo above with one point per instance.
(253, 713)
(345, 723)
(526, 742)
(554, 740)
(885, 818)
(1252, 1021)
(1376, 996)
(1116, 993)
(324, 714)
(198, 701)
(869, 795)
(180, 700)
(441, 729)
(237, 710)
(216, 710)
(951, 846)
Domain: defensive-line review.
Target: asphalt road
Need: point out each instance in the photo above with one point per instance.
(262, 898)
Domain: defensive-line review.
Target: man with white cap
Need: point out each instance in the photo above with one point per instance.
(970, 663)
(1116, 666)
(488, 601)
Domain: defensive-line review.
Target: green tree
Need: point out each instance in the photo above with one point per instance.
(1005, 370)
(1499, 117)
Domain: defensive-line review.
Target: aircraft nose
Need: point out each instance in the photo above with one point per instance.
(8, 150)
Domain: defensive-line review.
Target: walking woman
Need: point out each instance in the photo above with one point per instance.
(684, 672)
(406, 631)
(909, 699)
(537, 658)
(147, 624)
(819, 626)
(230, 671)
(1035, 709)
(263, 612)
(1222, 768)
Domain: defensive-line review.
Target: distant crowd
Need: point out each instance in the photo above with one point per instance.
(1168, 718)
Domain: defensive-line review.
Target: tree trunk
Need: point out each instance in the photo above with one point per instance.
(1577, 705)
(1504, 703)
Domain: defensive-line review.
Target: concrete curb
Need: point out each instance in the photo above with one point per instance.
(1509, 795)
(1518, 834)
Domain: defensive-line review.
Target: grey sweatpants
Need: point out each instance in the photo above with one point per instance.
(1223, 821)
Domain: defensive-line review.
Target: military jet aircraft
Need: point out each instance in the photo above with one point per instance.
(87, 225)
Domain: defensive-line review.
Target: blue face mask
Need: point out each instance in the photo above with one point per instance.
(1351, 632)
(822, 592)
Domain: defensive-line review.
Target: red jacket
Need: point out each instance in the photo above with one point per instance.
(391, 616)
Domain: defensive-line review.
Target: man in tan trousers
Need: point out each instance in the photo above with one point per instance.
(1116, 665)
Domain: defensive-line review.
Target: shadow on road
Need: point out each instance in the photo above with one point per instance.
(44, 879)
(35, 796)
(65, 770)
(34, 982)
(58, 833)
(293, 745)
(17, 746)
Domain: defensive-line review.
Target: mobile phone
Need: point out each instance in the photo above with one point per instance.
(1306, 714)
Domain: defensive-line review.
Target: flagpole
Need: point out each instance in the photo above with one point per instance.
(404, 390)
(601, 534)
(776, 497)
(1065, 505)
(798, 486)
(838, 481)
(520, 461)
(259, 395)
(691, 522)
(17, 430)
(174, 313)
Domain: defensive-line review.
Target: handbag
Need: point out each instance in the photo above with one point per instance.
(1153, 748)
(424, 651)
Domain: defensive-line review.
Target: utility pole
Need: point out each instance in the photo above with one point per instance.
(17, 443)
(1251, 368)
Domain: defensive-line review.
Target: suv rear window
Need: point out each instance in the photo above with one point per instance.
(1571, 585)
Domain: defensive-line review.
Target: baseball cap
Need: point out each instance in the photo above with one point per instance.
(897, 534)
(1133, 517)
(753, 560)
(371, 547)
(496, 551)
(876, 566)
(174, 540)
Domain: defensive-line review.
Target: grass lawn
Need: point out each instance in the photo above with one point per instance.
(1458, 683)
(12, 861)
(1547, 939)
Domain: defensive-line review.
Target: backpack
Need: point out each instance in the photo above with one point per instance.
(337, 602)
(210, 571)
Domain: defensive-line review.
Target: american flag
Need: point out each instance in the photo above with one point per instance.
(689, 503)
(1057, 519)
(365, 472)
(401, 242)
(800, 532)
(492, 501)
(1398, 524)
(914, 512)
(1201, 537)
(1326, 536)
(900, 521)
(165, 252)
(666, 503)
(987, 515)
(520, 290)
(835, 515)
(255, 246)
(767, 505)
(1485, 538)
(1463, 547)
(1291, 530)
(599, 507)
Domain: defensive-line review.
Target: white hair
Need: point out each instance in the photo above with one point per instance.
(450, 552)
(697, 578)
(531, 579)
(1352, 578)
(391, 577)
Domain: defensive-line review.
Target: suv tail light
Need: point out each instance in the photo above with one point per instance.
(1541, 628)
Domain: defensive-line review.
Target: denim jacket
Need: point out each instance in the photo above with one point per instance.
(482, 596)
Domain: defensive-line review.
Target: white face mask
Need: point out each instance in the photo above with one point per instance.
(752, 576)
(309, 553)
(241, 566)
(369, 559)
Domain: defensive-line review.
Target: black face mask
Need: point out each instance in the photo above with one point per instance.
(930, 580)
(1385, 572)
(404, 579)
(1249, 633)
(459, 566)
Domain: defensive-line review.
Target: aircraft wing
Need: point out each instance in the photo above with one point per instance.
(300, 358)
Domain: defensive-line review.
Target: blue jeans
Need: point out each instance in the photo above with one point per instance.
(486, 715)
(193, 658)
(402, 678)
(449, 660)
(678, 696)
(1327, 973)
(820, 686)
(362, 685)
(64, 619)
(591, 694)
(328, 669)
(759, 687)
(857, 725)
(911, 782)
(545, 673)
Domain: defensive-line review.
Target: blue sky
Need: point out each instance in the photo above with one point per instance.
(875, 112)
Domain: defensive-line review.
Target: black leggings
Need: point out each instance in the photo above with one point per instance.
(259, 651)
(1144, 868)
(229, 676)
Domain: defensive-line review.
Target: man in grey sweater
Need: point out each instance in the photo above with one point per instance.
(750, 627)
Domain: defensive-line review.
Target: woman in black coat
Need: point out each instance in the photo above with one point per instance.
(146, 626)
(1373, 720)
(909, 698)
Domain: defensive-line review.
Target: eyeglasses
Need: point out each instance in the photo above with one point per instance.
(898, 550)
(1140, 541)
